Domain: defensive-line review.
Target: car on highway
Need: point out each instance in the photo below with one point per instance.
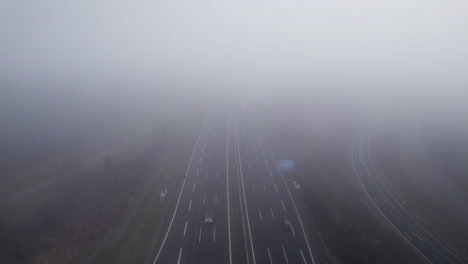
(287, 225)
(209, 217)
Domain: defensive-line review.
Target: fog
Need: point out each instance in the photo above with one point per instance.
(104, 105)
(88, 57)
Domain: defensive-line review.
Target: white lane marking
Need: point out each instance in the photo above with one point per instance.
(243, 192)
(227, 188)
(272, 214)
(193, 188)
(199, 161)
(217, 175)
(199, 235)
(303, 258)
(407, 235)
(264, 187)
(398, 204)
(292, 229)
(368, 195)
(417, 235)
(253, 185)
(185, 228)
(285, 256)
(282, 204)
(216, 198)
(271, 173)
(260, 214)
(180, 256)
(180, 195)
(204, 198)
(198, 170)
(267, 162)
(276, 187)
(292, 200)
(190, 205)
(214, 234)
(269, 256)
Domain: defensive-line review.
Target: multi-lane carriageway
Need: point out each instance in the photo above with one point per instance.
(369, 178)
(232, 164)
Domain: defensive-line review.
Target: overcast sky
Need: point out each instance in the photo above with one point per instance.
(362, 48)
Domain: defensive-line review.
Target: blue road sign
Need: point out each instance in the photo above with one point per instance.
(285, 165)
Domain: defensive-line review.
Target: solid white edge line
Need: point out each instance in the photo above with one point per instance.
(243, 191)
(368, 195)
(227, 187)
(180, 194)
(292, 200)
(199, 235)
(404, 210)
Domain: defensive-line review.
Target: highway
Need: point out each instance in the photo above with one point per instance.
(268, 198)
(232, 168)
(186, 238)
(391, 208)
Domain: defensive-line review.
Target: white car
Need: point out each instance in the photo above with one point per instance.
(287, 225)
(208, 217)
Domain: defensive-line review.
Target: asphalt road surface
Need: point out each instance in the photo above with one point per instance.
(409, 229)
(186, 236)
(268, 198)
(232, 156)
